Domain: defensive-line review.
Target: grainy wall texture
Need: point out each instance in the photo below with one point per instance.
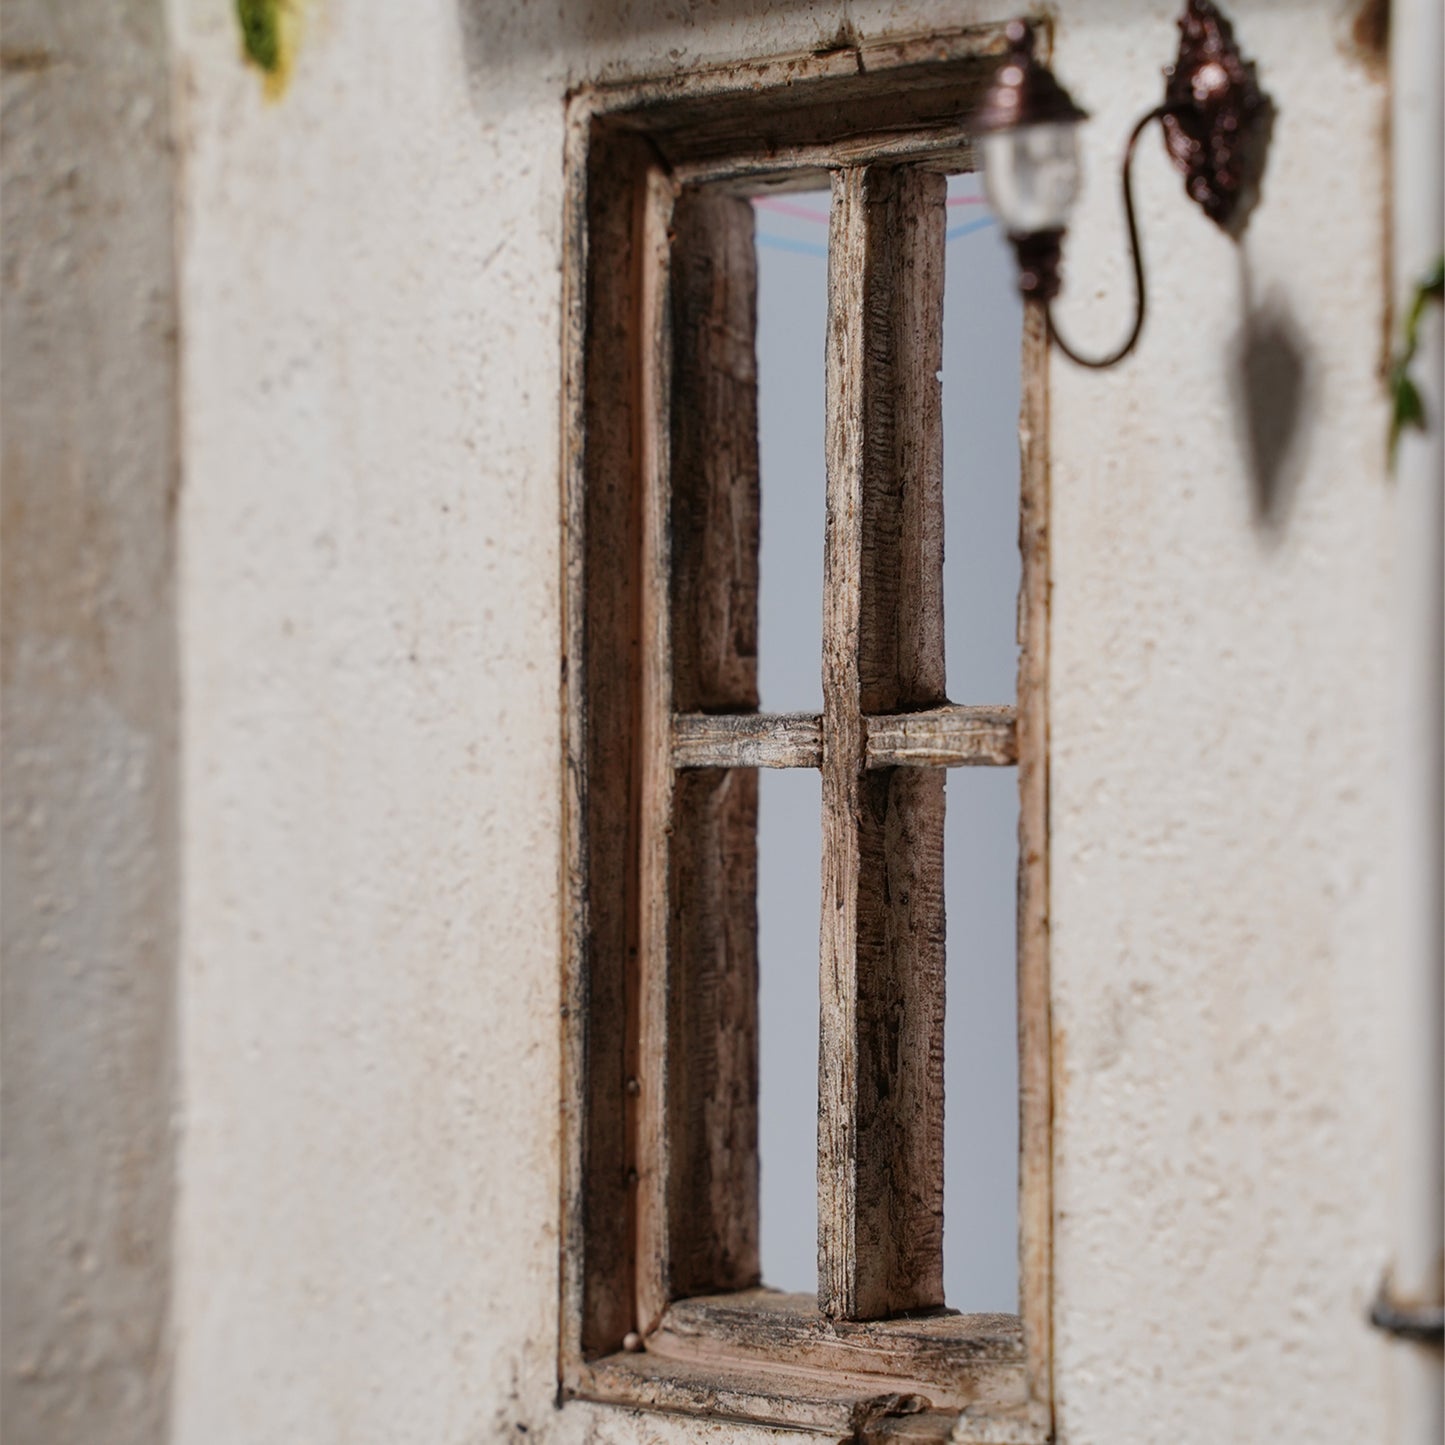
(88, 730)
(1222, 925)
(370, 287)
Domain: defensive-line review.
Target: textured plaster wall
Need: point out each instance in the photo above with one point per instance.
(1223, 934)
(88, 725)
(367, 1241)
(369, 637)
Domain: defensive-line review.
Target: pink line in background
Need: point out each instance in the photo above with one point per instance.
(787, 208)
(807, 213)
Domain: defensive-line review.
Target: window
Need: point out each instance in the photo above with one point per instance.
(661, 1300)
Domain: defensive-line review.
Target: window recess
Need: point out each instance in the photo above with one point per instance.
(662, 1298)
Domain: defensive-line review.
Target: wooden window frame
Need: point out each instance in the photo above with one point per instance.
(659, 1272)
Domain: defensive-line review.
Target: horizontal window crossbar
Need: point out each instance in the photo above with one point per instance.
(942, 737)
(747, 740)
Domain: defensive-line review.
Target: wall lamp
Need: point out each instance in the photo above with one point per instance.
(1216, 124)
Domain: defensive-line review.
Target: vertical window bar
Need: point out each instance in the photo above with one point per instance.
(696, 1098)
(1035, 1029)
(602, 845)
(880, 1156)
(713, 1064)
(647, 1084)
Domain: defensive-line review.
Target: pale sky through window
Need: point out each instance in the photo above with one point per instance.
(982, 329)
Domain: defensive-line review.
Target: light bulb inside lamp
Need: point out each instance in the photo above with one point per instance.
(1031, 174)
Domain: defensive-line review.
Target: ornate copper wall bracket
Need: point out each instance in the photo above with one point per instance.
(1216, 119)
(1217, 124)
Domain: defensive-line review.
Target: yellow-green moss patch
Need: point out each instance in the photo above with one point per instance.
(268, 37)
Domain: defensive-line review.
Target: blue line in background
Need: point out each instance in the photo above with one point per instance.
(967, 230)
(783, 243)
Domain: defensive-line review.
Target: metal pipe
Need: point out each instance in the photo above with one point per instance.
(1414, 1270)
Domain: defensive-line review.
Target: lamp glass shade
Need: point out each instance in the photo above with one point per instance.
(1031, 173)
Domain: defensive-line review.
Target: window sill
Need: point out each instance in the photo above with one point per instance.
(770, 1358)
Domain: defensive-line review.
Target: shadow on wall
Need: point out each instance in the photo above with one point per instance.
(1272, 385)
(89, 724)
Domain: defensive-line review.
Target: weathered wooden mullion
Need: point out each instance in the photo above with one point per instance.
(648, 1083)
(1036, 1216)
(600, 683)
(880, 1160)
(698, 1194)
(747, 740)
(956, 736)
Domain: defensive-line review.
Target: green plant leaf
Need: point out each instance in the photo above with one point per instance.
(1409, 408)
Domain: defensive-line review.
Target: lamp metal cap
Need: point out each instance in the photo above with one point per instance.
(1023, 91)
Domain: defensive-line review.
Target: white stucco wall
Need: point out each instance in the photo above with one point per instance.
(1223, 926)
(369, 994)
(370, 293)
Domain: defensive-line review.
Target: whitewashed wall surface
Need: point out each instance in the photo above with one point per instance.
(281, 730)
